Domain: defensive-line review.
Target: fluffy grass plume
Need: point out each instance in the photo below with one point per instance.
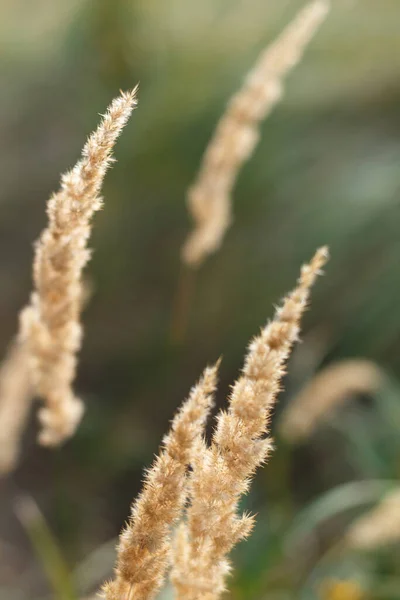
(378, 527)
(15, 403)
(144, 547)
(50, 325)
(222, 472)
(326, 392)
(237, 133)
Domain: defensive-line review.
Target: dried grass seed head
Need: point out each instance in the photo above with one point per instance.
(50, 325)
(237, 133)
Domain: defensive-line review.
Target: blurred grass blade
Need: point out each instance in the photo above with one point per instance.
(96, 567)
(46, 548)
(387, 588)
(340, 499)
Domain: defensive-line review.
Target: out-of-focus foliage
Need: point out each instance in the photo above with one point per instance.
(326, 171)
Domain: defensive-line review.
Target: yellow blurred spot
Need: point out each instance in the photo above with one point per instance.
(341, 590)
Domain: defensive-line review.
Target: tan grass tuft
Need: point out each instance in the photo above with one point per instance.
(144, 548)
(378, 527)
(50, 324)
(15, 403)
(222, 472)
(237, 133)
(327, 391)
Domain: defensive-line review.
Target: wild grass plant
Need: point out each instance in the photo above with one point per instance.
(190, 515)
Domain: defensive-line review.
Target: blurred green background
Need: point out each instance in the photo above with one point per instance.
(325, 172)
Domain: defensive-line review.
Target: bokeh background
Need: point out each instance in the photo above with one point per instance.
(325, 172)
